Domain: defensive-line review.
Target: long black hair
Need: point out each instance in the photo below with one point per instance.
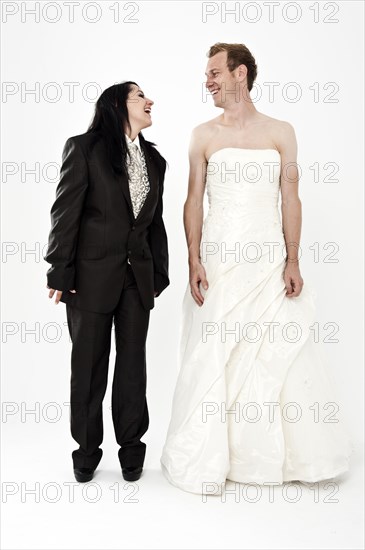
(110, 122)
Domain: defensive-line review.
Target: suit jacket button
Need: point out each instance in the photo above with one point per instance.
(133, 227)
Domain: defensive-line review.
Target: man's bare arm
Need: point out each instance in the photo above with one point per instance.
(291, 208)
(194, 213)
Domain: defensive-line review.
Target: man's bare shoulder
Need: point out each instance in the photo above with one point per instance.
(281, 131)
(206, 129)
(284, 135)
(203, 134)
(281, 126)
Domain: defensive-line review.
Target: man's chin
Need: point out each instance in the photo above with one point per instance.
(218, 103)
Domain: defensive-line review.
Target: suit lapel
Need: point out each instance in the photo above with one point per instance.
(127, 195)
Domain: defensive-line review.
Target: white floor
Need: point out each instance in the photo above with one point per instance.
(108, 513)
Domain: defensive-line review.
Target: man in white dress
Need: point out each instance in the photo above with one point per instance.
(250, 372)
(231, 72)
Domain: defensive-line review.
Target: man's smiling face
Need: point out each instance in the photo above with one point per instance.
(220, 80)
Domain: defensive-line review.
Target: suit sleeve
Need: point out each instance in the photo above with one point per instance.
(158, 242)
(66, 214)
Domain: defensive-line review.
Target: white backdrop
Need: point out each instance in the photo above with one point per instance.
(310, 73)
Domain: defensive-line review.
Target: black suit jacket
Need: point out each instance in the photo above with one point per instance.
(94, 231)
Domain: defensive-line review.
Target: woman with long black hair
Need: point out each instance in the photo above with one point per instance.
(108, 252)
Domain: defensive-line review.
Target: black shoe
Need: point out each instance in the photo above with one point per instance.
(84, 474)
(132, 474)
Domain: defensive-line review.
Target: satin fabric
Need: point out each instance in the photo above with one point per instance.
(250, 349)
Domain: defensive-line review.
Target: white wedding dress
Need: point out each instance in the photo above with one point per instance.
(250, 349)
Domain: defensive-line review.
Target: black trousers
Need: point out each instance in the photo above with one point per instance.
(90, 333)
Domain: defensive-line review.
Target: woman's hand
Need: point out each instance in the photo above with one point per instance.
(58, 294)
(293, 279)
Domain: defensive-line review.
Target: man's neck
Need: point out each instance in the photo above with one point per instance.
(239, 114)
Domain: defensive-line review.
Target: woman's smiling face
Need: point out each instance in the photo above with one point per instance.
(139, 108)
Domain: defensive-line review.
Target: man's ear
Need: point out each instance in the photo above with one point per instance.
(242, 71)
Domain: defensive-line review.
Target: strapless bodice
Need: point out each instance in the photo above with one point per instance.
(243, 185)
